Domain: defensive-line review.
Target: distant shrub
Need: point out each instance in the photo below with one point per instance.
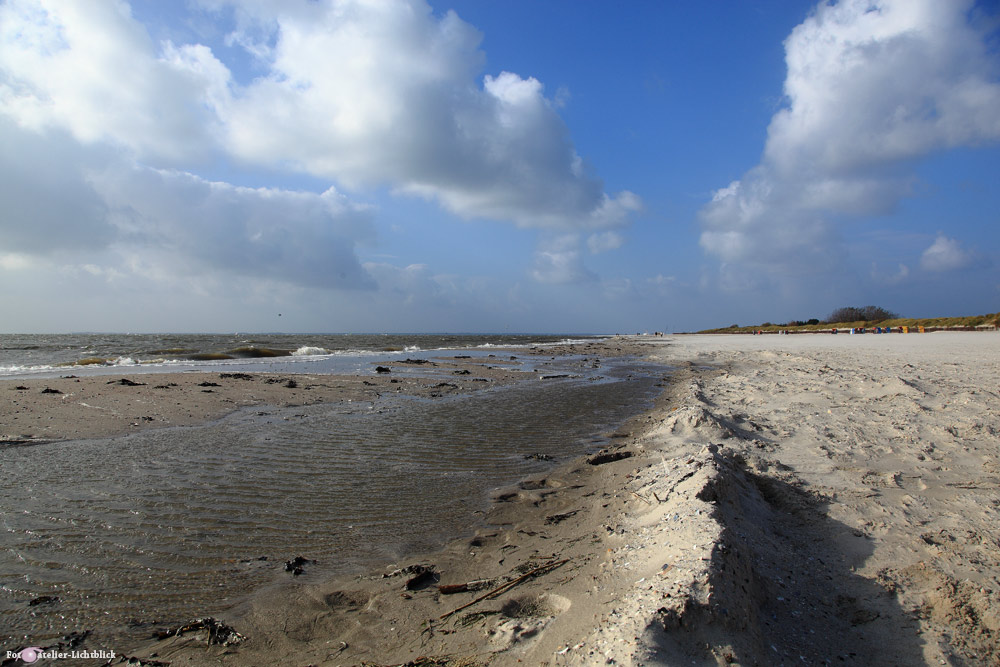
(860, 314)
(734, 326)
(800, 323)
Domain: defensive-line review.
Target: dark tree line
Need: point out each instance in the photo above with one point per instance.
(862, 314)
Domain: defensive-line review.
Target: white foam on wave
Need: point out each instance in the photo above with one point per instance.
(508, 346)
(309, 351)
(9, 370)
(358, 353)
(564, 341)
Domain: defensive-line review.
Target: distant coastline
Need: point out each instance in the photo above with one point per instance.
(988, 322)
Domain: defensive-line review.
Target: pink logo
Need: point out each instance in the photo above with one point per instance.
(30, 654)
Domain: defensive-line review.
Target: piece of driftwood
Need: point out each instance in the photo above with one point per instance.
(467, 587)
(505, 587)
(609, 457)
(218, 632)
(641, 498)
(451, 589)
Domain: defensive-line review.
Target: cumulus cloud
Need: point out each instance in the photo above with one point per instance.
(373, 93)
(359, 92)
(104, 127)
(946, 254)
(91, 69)
(871, 86)
(761, 224)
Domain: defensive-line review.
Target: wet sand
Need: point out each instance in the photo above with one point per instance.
(789, 499)
(70, 407)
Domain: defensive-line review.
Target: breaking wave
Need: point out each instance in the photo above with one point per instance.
(310, 351)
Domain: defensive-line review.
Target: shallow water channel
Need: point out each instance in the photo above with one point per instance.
(156, 528)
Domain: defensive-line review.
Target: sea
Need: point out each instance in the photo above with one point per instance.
(53, 354)
(122, 536)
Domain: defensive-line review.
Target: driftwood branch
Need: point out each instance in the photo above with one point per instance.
(641, 498)
(505, 587)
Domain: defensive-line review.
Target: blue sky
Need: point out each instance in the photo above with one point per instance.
(494, 166)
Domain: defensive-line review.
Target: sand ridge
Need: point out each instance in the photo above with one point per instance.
(854, 485)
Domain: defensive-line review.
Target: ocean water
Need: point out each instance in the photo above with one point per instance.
(124, 535)
(51, 354)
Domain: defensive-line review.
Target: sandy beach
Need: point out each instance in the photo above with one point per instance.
(805, 499)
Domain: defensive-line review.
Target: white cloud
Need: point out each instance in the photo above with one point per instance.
(91, 69)
(662, 285)
(758, 225)
(604, 241)
(945, 254)
(559, 261)
(432, 301)
(48, 204)
(101, 123)
(12, 261)
(871, 86)
(62, 199)
(372, 93)
(901, 275)
(875, 82)
(361, 92)
(298, 237)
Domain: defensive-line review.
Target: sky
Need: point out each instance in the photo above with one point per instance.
(470, 166)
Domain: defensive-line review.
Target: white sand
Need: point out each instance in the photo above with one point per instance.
(847, 510)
